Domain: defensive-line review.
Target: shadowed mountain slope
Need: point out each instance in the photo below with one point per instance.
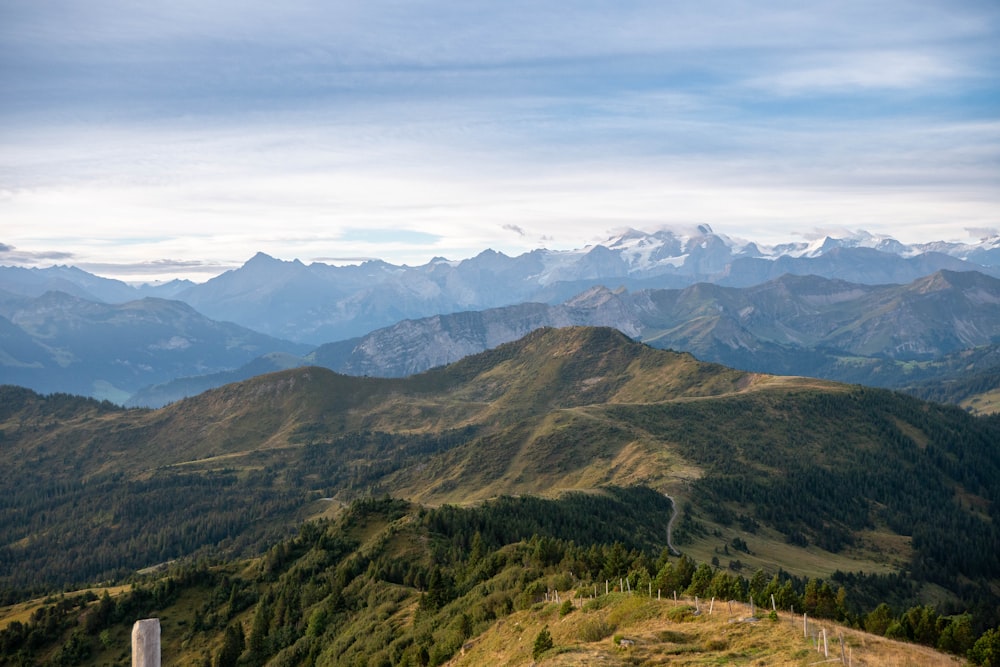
(57, 342)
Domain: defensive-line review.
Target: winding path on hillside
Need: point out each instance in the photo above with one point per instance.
(670, 525)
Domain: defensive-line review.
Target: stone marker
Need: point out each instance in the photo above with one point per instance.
(146, 643)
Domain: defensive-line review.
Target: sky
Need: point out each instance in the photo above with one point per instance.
(177, 138)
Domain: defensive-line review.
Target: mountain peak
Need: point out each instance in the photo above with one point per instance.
(261, 258)
(580, 365)
(948, 280)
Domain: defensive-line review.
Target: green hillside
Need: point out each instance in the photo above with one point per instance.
(892, 499)
(392, 584)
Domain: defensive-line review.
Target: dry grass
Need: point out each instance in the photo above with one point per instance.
(771, 552)
(22, 610)
(18, 612)
(987, 403)
(665, 632)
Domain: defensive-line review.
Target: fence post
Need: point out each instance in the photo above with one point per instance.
(146, 643)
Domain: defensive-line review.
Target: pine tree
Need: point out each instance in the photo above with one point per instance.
(543, 642)
(232, 647)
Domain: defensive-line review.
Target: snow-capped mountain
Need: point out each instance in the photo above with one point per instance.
(319, 303)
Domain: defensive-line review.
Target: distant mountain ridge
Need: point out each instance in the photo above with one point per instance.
(893, 336)
(319, 303)
(777, 326)
(61, 343)
(377, 313)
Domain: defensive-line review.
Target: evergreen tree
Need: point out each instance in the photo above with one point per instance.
(257, 642)
(957, 637)
(543, 642)
(232, 647)
(701, 580)
(986, 650)
(879, 620)
(758, 588)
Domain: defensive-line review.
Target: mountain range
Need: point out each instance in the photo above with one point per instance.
(320, 303)
(62, 329)
(766, 327)
(880, 335)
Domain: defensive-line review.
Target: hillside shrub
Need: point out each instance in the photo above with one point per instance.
(566, 607)
(986, 650)
(543, 642)
(594, 630)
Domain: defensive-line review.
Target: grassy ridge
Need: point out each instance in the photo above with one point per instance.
(809, 476)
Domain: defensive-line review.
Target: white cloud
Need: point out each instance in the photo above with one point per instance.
(865, 70)
(209, 131)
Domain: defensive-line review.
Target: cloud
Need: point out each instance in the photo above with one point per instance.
(983, 232)
(157, 267)
(9, 253)
(404, 130)
(344, 260)
(840, 72)
(388, 235)
(181, 58)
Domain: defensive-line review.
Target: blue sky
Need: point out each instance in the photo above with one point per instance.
(147, 140)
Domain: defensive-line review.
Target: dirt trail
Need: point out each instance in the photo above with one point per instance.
(670, 526)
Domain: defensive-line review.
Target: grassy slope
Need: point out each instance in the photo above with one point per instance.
(668, 632)
(568, 409)
(685, 632)
(662, 630)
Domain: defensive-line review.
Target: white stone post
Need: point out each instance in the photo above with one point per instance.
(146, 643)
